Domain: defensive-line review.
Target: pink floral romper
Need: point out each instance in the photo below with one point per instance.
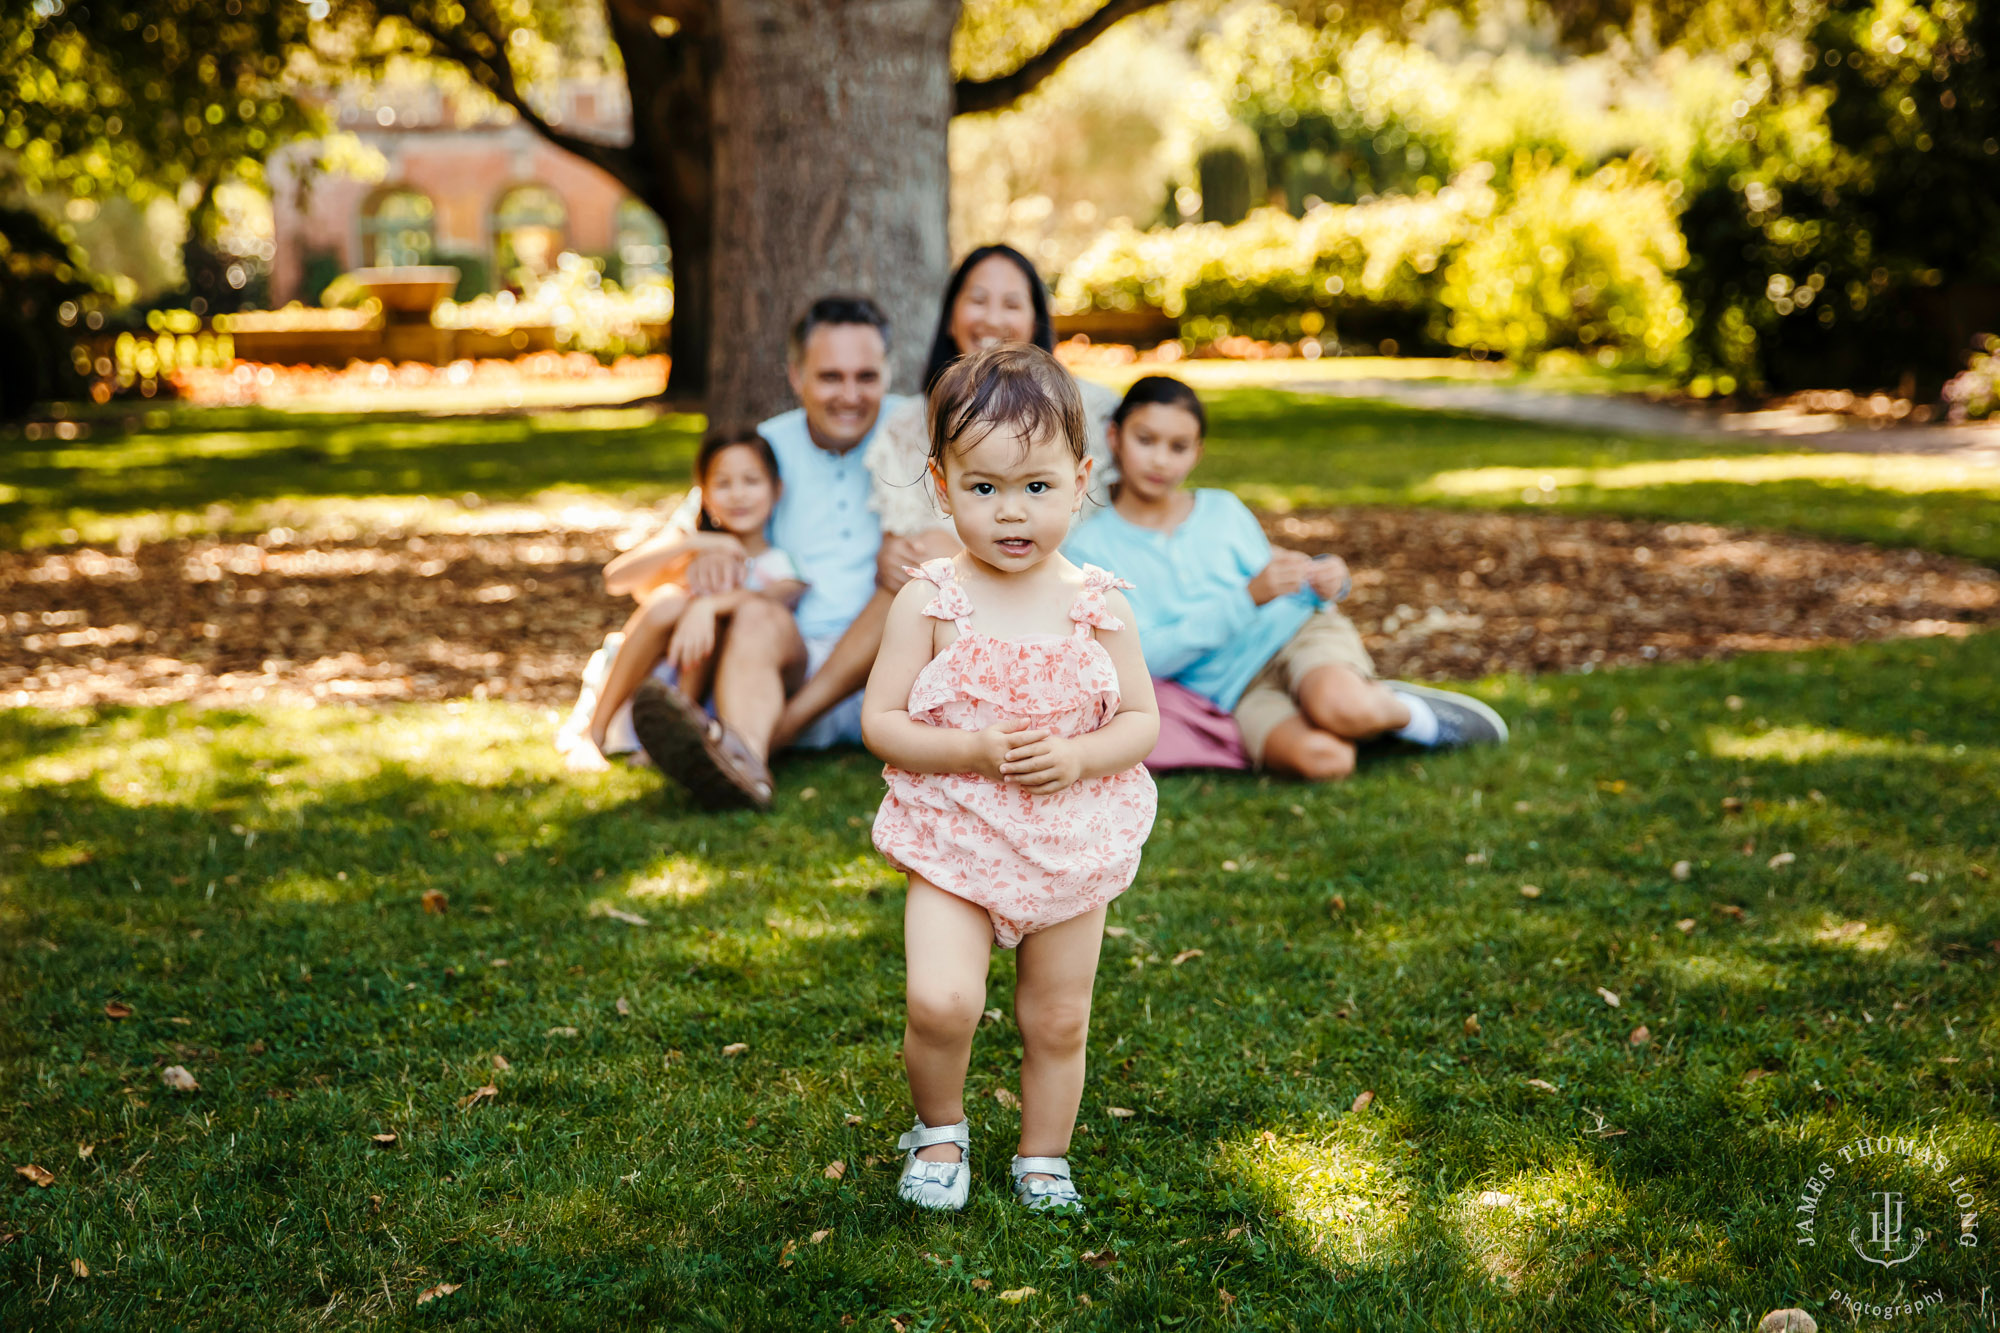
(1031, 861)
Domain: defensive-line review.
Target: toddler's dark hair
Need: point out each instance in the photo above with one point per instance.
(1011, 384)
(1161, 391)
(712, 445)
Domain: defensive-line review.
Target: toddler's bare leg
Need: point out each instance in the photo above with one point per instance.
(1058, 967)
(1340, 701)
(947, 943)
(1298, 749)
(646, 635)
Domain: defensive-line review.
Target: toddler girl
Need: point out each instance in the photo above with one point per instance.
(1012, 708)
(737, 476)
(1249, 628)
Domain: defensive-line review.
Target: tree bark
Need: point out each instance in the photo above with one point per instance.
(830, 176)
(672, 135)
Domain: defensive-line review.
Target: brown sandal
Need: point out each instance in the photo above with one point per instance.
(717, 767)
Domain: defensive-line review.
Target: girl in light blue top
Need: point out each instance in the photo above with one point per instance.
(1250, 628)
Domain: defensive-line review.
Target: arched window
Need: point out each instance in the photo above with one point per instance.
(398, 227)
(642, 243)
(527, 232)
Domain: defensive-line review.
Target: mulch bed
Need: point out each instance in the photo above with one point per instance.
(513, 614)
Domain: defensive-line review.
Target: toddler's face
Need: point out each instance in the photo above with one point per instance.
(1156, 448)
(1012, 504)
(738, 491)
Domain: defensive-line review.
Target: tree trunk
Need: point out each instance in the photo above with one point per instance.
(673, 141)
(830, 176)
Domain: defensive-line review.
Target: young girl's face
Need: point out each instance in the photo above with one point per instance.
(1012, 505)
(739, 490)
(1156, 447)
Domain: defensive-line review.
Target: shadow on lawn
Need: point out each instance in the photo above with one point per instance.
(1654, 1181)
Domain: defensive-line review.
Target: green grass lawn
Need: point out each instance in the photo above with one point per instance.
(188, 470)
(250, 884)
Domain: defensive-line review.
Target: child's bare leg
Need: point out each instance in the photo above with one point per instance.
(1058, 966)
(1298, 749)
(947, 943)
(844, 671)
(1341, 701)
(646, 635)
(695, 680)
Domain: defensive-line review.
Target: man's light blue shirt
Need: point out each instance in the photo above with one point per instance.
(823, 522)
(1190, 592)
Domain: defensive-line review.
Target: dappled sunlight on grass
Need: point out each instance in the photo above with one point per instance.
(1345, 1188)
(1859, 936)
(1524, 1228)
(1798, 744)
(679, 879)
(1735, 970)
(1912, 474)
(318, 890)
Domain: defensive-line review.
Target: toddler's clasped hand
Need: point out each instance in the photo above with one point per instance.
(1028, 757)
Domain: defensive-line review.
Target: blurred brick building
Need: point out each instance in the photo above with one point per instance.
(474, 188)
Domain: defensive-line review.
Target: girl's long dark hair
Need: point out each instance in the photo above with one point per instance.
(944, 351)
(713, 444)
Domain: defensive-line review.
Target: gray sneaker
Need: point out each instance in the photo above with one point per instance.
(1462, 719)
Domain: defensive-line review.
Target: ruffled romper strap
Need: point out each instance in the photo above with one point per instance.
(1089, 611)
(951, 602)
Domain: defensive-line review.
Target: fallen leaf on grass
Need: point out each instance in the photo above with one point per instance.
(1495, 1199)
(1007, 1098)
(835, 1170)
(1542, 1084)
(629, 918)
(854, 1120)
(1100, 1258)
(79, 1267)
(383, 1140)
(114, 1010)
(992, 1016)
(1229, 865)
(435, 902)
(820, 1235)
(429, 1294)
(178, 1078)
(1186, 954)
(1732, 804)
(735, 1048)
(560, 1032)
(1222, 1294)
(374, 1203)
(1730, 910)
(86, 1151)
(1472, 1025)
(1640, 1035)
(1917, 877)
(1339, 903)
(1683, 871)
(40, 1177)
(785, 1254)
(1781, 860)
(181, 1022)
(1362, 1102)
(1016, 1295)
(480, 1094)
(1610, 997)
(623, 1006)
(1234, 1232)
(1116, 932)
(1752, 1075)
(498, 962)
(1120, 1112)
(1685, 925)
(500, 1064)
(1531, 890)
(981, 1284)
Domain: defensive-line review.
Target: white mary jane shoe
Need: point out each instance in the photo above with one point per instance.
(941, 1185)
(1046, 1196)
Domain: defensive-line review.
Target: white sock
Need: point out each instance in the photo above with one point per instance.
(1423, 724)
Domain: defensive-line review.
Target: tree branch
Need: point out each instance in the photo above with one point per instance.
(496, 76)
(970, 95)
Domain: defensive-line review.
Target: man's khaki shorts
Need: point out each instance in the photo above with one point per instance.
(1328, 639)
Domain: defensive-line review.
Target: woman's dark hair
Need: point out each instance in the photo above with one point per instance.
(712, 445)
(1009, 385)
(1161, 391)
(944, 350)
